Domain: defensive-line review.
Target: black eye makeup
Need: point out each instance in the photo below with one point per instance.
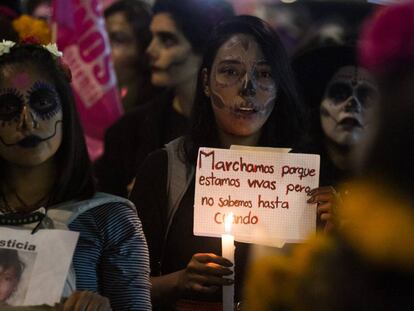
(339, 91)
(44, 100)
(11, 105)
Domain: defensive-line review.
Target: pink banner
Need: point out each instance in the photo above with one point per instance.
(82, 37)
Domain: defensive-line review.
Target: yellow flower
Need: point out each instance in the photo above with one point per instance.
(379, 225)
(28, 27)
(274, 282)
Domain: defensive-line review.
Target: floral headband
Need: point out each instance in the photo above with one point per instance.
(6, 45)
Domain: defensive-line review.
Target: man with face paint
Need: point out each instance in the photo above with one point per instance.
(179, 33)
(341, 96)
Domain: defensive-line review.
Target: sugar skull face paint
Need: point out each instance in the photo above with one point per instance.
(346, 108)
(30, 117)
(173, 61)
(124, 47)
(241, 86)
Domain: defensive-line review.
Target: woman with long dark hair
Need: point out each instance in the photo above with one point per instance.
(246, 96)
(46, 181)
(179, 33)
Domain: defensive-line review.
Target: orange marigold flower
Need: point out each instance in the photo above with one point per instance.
(29, 27)
(379, 224)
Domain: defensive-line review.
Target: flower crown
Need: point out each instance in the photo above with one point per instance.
(6, 45)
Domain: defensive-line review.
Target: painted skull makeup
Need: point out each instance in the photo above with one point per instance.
(348, 100)
(173, 61)
(241, 86)
(42, 99)
(30, 117)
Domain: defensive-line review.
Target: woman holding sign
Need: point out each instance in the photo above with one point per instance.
(246, 96)
(46, 183)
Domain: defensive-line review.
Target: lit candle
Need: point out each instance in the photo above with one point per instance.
(227, 250)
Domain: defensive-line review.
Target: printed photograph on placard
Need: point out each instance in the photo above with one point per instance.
(15, 271)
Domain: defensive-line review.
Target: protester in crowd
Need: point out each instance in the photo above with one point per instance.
(46, 182)
(127, 23)
(179, 33)
(40, 9)
(11, 269)
(245, 96)
(373, 242)
(340, 101)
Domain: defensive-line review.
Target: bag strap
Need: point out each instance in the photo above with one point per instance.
(179, 179)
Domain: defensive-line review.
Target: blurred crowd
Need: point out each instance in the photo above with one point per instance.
(327, 78)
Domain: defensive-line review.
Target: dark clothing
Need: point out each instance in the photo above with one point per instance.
(330, 175)
(132, 138)
(150, 196)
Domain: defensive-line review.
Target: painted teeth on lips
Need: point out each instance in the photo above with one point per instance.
(350, 122)
(247, 109)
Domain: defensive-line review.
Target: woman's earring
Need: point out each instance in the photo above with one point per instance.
(207, 91)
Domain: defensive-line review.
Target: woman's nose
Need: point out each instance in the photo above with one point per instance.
(353, 105)
(152, 50)
(27, 120)
(248, 88)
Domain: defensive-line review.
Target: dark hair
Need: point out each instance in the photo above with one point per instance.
(10, 8)
(285, 124)
(195, 18)
(9, 258)
(7, 31)
(314, 69)
(74, 176)
(138, 14)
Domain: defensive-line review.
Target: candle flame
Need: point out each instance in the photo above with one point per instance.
(228, 222)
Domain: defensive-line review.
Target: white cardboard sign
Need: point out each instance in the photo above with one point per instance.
(44, 258)
(265, 191)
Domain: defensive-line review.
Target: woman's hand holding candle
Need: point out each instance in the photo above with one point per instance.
(205, 273)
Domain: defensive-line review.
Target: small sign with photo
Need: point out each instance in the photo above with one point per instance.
(34, 267)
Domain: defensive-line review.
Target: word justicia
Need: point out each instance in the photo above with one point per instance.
(18, 245)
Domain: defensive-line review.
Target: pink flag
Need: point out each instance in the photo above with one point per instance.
(82, 37)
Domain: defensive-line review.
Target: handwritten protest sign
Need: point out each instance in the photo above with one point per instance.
(37, 264)
(266, 191)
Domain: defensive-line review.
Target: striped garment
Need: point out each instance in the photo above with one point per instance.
(111, 257)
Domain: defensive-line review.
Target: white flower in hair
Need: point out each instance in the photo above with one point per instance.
(52, 48)
(5, 46)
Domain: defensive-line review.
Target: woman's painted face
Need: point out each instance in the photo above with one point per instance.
(8, 282)
(346, 107)
(30, 117)
(124, 47)
(241, 86)
(173, 61)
